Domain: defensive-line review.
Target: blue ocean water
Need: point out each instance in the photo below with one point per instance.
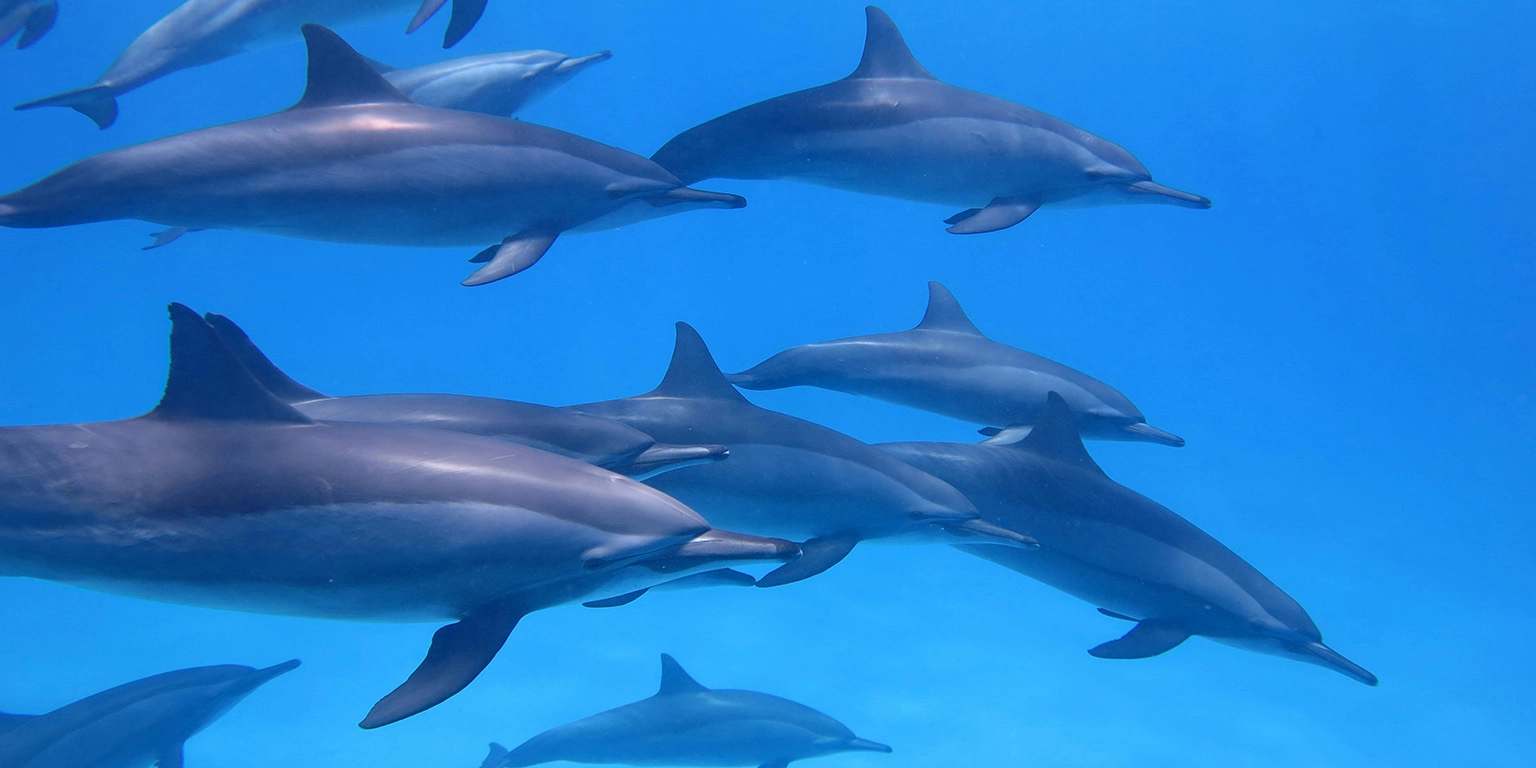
(1345, 339)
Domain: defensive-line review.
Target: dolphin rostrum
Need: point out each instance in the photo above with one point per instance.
(356, 161)
(787, 477)
(494, 83)
(135, 725)
(688, 724)
(945, 365)
(1106, 544)
(891, 128)
(225, 496)
(31, 18)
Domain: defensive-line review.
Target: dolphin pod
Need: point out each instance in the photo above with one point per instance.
(891, 128)
(945, 365)
(135, 724)
(26, 20)
(705, 727)
(356, 161)
(493, 84)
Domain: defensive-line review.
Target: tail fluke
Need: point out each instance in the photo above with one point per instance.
(97, 102)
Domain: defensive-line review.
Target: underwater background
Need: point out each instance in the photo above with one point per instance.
(1347, 340)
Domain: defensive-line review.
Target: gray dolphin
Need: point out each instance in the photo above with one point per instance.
(787, 477)
(356, 161)
(891, 128)
(945, 365)
(224, 496)
(591, 439)
(31, 18)
(1108, 545)
(135, 725)
(494, 83)
(688, 724)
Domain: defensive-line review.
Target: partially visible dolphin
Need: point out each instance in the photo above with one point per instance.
(32, 18)
(494, 83)
(224, 496)
(135, 725)
(355, 161)
(1106, 544)
(461, 19)
(688, 724)
(945, 365)
(787, 477)
(891, 128)
(591, 439)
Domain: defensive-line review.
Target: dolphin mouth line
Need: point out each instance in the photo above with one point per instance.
(1336, 661)
(1174, 196)
(978, 527)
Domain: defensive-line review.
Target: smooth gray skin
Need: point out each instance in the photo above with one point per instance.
(497, 84)
(356, 161)
(787, 477)
(135, 725)
(31, 18)
(688, 724)
(1108, 545)
(603, 442)
(891, 128)
(224, 496)
(201, 32)
(946, 366)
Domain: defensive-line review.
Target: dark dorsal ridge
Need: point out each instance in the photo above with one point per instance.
(886, 55)
(693, 372)
(1054, 435)
(207, 382)
(675, 680)
(260, 366)
(944, 313)
(339, 75)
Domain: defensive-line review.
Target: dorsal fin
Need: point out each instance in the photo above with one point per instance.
(260, 366)
(339, 75)
(207, 382)
(693, 372)
(675, 680)
(1054, 435)
(944, 313)
(886, 55)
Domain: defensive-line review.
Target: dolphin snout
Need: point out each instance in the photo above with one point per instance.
(1147, 432)
(979, 527)
(715, 546)
(1332, 659)
(573, 65)
(865, 745)
(1169, 194)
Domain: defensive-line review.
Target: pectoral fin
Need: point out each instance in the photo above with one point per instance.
(514, 255)
(1001, 213)
(817, 555)
(167, 237)
(614, 602)
(459, 652)
(1145, 640)
(1113, 615)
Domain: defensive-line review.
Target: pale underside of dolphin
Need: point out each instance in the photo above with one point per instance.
(140, 723)
(946, 365)
(1116, 549)
(26, 20)
(497, 84)
(891, 128)
(686, 723)
(787, 477)
(224, 496)
(355, 161)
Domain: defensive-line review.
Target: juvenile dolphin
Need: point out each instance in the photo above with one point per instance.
(688, 724)
(494, 84)
(224, 496)
(891, 128)
(135, 725)
(355, 161)
(591, 439)
(1114, 548)
(945, 365)
(787, 477)
(31, 18)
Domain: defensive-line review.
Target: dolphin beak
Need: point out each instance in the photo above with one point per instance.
(697, 198)
(1330, 658)
(273, 671)
(661, 458)
(865, 745)
(572, 66)
(1173, 196)
(715, 547)
(1151, 434)
(979, 527)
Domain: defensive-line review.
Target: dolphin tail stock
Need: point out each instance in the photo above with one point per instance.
(98, 102)
(495, 758)
(1158, 193)
(458, 654)
(817, 555)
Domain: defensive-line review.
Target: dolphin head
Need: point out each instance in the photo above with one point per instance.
(1114, 185)
(1299, 643)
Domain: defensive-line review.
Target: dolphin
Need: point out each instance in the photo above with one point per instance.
(946, 366)
(891, 128)
(1114, 548)
(31, 18)
(355, 161)
(688, 724)
(494, 84)
(135, 725)
(224, 496)
(594, 440)
(461, 19)
(787, 477)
